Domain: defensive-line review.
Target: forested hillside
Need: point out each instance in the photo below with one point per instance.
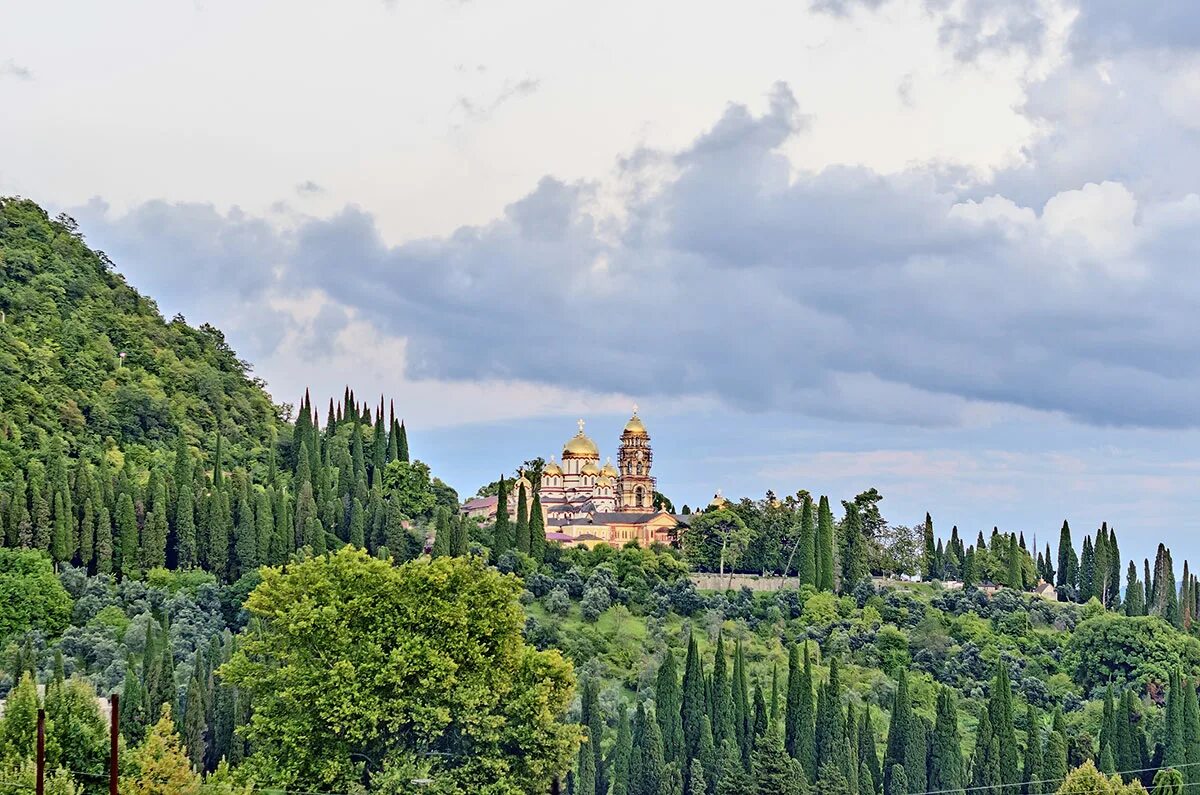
(298, 605)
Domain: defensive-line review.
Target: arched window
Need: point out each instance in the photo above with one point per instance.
(639, 497)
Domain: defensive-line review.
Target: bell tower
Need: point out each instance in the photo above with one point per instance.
(635, 486)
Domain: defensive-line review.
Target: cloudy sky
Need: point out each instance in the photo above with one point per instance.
(942, 247)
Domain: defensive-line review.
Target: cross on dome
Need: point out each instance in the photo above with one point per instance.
(579, 422)
(635, 407)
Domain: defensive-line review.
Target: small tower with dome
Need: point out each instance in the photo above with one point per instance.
(635, 485)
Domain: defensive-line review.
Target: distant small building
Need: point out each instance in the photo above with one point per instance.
(988, 587)
(1046, 591)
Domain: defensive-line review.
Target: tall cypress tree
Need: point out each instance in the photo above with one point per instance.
(1087, 571)
(829, 720)
(1135, 596)
(503, 539)
(537, 529)
(825, 559)
(1003, 726)
(1065, 553)
(867, 753)
(692, 708)
(985, 760)
(740, 695)
(619, 757)
(646, 763)
(668, 707)
(460, 542)
(806, 549)
(441, 537)
(929, 556)
(127, 537)
(585, 769)
(1031, 771)
(1054, 761)
(898, 730)
(945, 769)
(522, 540)
(720, 699)
(403, 443)
(854, 563)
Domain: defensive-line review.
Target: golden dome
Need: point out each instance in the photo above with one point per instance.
(635, 427)
(604, 480)
(581, 446)
(551, 469)
(718, 501)
(590, 468)
(609, 470)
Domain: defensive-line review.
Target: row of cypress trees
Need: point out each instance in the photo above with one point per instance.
(190, 511)
(713, 734)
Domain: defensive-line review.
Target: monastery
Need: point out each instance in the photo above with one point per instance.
(586, 503)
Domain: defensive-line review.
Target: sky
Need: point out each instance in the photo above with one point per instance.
(944, 248)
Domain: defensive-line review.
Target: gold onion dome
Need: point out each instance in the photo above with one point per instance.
(590, 468)
(604, 480)
(609, 471)
(551, 469)
(581, 446)
(635, 427)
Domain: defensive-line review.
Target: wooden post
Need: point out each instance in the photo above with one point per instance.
(114, 713)
(41, 752)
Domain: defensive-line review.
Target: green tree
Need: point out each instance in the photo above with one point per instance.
(161, 765)
(806, 548)
(898, 730)
(929, 566)
(127, 534)
(946, 773)
(585, 775)
(522, 540)
(33, 597)
(354, 655)
(646, 761)
(19, 726)
(502, 533)
(714, 540)
(692, 707)
(668, 705)
(441, 534)
(825, 559)
(773, 770)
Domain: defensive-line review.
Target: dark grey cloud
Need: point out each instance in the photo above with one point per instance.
(11, 68)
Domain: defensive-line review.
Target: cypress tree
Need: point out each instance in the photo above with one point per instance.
(1054, 761)
(916, 758)
(1108, 764)
(358, 524)
(1191, 733)
(773, 770)
(403, 444)
(1065, 552)
(866, 782)
(245, 538)
(1004, 729)
(441, 534)
(1048, 574)
(104, 541)
(946, 773)
(87, 534)
(1100, 566)
(929, 556)
(1087, 571)
(829, 721)
(742, 716)
(706, 755)
(502, 532)
(60, 541)
(593, 720)
(185, 527)
(133, 716)
(1013, 566)
(760, 721)
(537, 529)
(1108, 719)
(646, 763)
(1126, 747)
(898, 730)
(899, 780)
(194, 728)
(522, 540)
(824, 546)
(127, 534)
(732, 778)
(806, 548)
(867, 753)
(720, 699)
(459, 538)
(854, 564)
(692, 708)
(1135, 596)
(985, 761)
(1113, 599)
(220, 522)
(1031, 772)
(668, 706)
(585, 776)
(619, 757)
